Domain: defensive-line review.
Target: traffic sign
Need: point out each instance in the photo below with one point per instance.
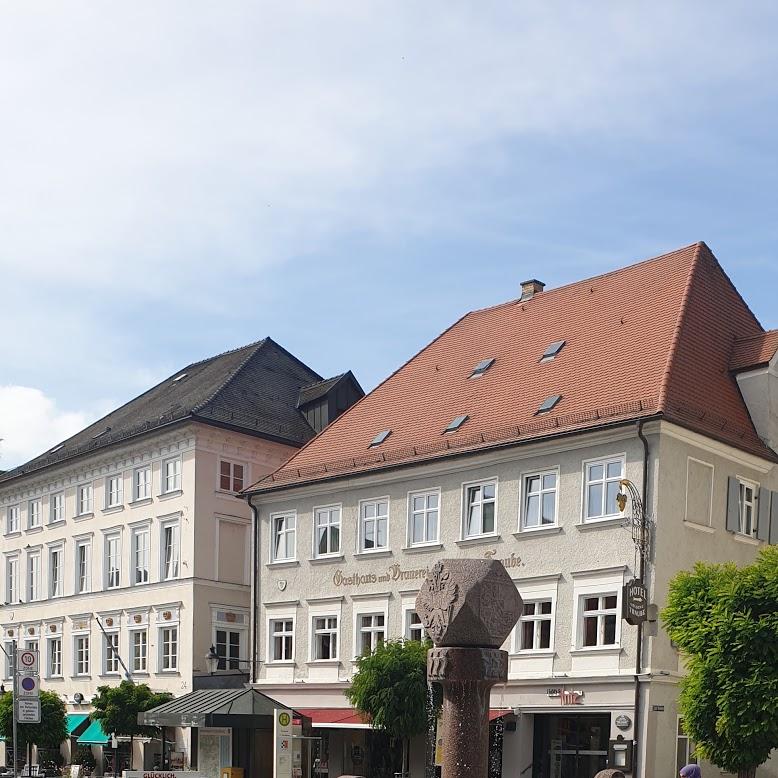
(28, 686)
(29, 661)
(29, 710)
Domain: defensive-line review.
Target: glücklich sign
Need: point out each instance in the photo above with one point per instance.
(634, 602)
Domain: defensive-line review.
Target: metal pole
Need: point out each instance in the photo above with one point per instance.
(16, 712)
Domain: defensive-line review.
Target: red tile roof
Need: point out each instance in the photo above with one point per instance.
(652, 339)
(756, 351)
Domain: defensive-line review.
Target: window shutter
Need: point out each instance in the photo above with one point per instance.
(763, 522)
(774, 520)
(733, 504)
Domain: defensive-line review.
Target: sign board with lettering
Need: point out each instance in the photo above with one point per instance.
(161, 774)
(29, 710)
(28, 686)
(28, 661)
(282, 743)
(634, 602)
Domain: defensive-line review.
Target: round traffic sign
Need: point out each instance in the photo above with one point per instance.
(28, 683)
(27, 659)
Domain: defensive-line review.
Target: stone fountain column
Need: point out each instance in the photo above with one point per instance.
(468, 607)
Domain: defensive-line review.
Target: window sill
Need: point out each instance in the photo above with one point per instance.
(321, 560)
(532, 653)
(323, 663)
(281, 563)
(541, 531)
(377, 553)
(420, 548)
(169, 495)
(478, 540)
(15, 534)
(113, 509)
(608, 523)
(596, 650)
(281, 663)
(141, 501)
(109, 675)
(168, 673)
(54, 677)
(225, 493)
(139, 673)
(747, 539)
(57, 523)
(84, 516)
(37, 528)
(700, 527)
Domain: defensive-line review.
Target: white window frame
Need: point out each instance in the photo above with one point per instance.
(56, 507)
(171, 482)
(50, 641)
(82, 669)
(327, 526)
(410, 626)
(689, 745)
(115, 668)
(424, 512)
(142, 489)
(12, 581)
(231, 463)
(34, 514)
(87, 544)
(114, 491)
(85, 499)
(745, 484)
(375, 520)
(284, 634)
(287, 531)
(164, 644)
(604, 461)
(34, 575)
(135, 551)
(373, 630)
(601, 614)
(537, 619)
(57, 582)
(466, 505)
(241, 628)
(139, 657)
(526, 494)
(174, 525)
(12, 520)
(108, 540)
(327, 629)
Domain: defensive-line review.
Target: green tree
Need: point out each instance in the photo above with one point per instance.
(117, 708)
(51, 731)
(390, 688)
(724, 620)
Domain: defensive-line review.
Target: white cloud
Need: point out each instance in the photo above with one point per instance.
(31, 423)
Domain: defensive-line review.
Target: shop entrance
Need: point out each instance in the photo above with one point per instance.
(570, 745)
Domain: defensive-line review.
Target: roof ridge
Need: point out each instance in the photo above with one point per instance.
(757, 336)
(599, 276)
(222, 354)
(324, 380)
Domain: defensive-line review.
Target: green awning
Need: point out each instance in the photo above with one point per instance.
(94, 735)
(76, 723)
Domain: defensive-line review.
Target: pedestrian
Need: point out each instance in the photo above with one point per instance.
(691, 771)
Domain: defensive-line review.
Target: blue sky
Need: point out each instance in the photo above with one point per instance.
(183, 178)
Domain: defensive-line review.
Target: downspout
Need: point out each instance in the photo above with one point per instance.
(255, 536)
(641, 575)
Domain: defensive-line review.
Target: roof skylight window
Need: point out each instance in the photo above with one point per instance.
(552, 350)
(455, 424)
(379, 438)
(548, 403)
(57, 448)
(482, 367)
(179, 377)
(100, 434)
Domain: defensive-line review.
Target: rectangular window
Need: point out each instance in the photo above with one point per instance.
(34, 514)
(57, 508)
(372, 631)
(535, 626)
(83, 566)
(228, 649)
(81, 646)
(54, 668)
(423, 512)
(168, 639)
(599, 620)
(374, 523)
(114, 491)
(12, 519)
(7, 664)
(31, 645)
(414, 629)
(479, 509)
(602, 486)
(141, 540)
(171, 475)
(113, 561)
(284, 536)
(684, 749)
(325, 637)
(231, 476)
(281, 640)
(84, 499)
(33, 576)
(327, 526)
(139, 645)
(171, 550)
(747, 507)
(12, 580)
(56, 572)
(540, 500)
(111, 657)
(141, 483)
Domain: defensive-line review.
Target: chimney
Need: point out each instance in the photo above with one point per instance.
(530, 288)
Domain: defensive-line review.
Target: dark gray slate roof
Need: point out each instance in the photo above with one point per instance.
(253, 389)
(315, 391)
